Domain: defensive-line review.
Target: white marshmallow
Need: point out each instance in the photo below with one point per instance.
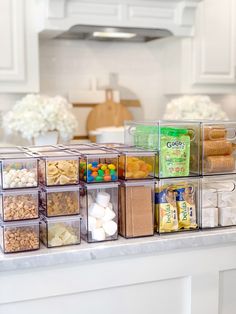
(227, 216)
(96, 210)
(91, 223)
(209, 198)
(98, 234)
(103, 199)
(109, 214)
(209, 217)
(227, 199)
(110, 205)
(110, 227)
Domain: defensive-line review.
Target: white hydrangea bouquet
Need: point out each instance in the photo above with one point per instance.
(36, 115)
(196, 107)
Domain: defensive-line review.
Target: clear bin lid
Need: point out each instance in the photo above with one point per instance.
(20, 155)
(100, 151)
(79, 146)
(23, 223)
(138, 183)
(15, 149)
(95, 186)
(60, 218)
(58, 189)
(38, 149)
(20, 191)
(135, 151)
(59, 153)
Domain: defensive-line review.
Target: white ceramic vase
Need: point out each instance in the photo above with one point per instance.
(49, 138)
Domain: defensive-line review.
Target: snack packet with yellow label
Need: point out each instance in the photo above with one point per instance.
(186, 207)
(166, 210)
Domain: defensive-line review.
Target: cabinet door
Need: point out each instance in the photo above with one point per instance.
(19, 47)
(214, 43)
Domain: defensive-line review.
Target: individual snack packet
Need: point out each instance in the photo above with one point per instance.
(166, 210)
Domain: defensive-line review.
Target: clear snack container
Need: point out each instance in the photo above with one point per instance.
(18, 170)
(136, 163)
(177, 205)
(78, 146)
(60, 231)
(136, 208)
(218, 201)
(176, 144)
(98, 165)
(19, 236)
(218, 147)
(60, 201)
(99, 212)
(19, 204)
(112, 145)
(59, 168)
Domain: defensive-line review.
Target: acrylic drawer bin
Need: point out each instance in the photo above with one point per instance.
(19, 236)
(99, 212)
(218, 144)
(98, 165)
(60, 231)
(218, 201)
(18, 170)
(136, 164)
(59, 201)
(177, 205)
(58, 168)
(136, 208)
(20, 204)
(176, 144)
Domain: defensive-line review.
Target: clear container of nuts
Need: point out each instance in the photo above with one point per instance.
(59, 201)
(60, 231)
(59, 168)
(19, 204)
(19, 236)
(18, 170)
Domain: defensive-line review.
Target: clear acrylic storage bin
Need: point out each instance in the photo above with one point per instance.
(11, 150)
(177, 205)
(18, 170)
(42, 149)
(99, 212)
(19, 204)
(176, 144)
(218, 148)
(218, 201)
(60, 231)
(19, 236)
(135, 163)
(136, 208)
(98, 165)
(59, 201)
(59, 168)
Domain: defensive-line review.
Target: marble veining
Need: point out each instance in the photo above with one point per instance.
(117, 249)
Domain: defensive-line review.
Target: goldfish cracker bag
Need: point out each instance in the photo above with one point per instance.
(185, 199)
(166, 210)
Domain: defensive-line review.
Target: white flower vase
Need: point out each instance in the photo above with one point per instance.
(48, 138)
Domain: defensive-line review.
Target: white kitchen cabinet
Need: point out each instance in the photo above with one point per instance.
(19, 47)
(206, 62)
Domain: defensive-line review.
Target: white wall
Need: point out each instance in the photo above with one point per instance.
(67, 65)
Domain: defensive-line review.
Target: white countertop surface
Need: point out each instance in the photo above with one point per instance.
(116, 249)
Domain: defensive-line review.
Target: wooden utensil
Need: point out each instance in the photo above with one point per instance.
(108, 113)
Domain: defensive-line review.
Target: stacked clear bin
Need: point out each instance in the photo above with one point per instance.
(99, 193)
(136, 195)
(19, 201)
(59, 198)
(217, 161)
(176, 145)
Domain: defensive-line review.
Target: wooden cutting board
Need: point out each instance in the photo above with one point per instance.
(108, 113)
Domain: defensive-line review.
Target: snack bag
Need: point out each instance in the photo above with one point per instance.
(186, 207)
(166, 210)
(174, 152)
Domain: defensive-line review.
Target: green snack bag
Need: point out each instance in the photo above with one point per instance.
(174, 152)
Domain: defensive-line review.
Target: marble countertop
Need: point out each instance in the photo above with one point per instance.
(117, 249)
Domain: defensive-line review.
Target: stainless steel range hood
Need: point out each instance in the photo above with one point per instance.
(119, 20)
(121, 34)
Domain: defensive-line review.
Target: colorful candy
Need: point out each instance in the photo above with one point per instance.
(98, 172)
